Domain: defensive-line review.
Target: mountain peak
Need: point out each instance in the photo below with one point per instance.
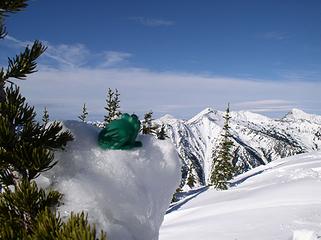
(298, 114)
(205, 112)
(248, 116)
(167, 118)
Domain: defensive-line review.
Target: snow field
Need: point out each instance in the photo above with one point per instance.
(281, 200)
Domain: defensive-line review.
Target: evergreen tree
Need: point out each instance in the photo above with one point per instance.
(161, 132)
(27, 213)
(45, 117)
(84, 114)
(191, 177)
(116, 104)
(147, 125)
(112, 106)
(26, 150)
(25, 145)
(175, 197)
(222, 168)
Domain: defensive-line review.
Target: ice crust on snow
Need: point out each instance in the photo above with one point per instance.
(280, 200)
(125, 193)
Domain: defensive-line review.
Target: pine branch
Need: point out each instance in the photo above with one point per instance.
(12, 6)
(9, 6)
(3, 30)
(25, 62)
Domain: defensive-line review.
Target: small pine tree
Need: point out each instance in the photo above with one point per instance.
(161, 132)
(147, 124)
(109, 106)
(84, 114)
(191, 181)
(222, 168)
(112, 106)
(175, 198)
(45, 117)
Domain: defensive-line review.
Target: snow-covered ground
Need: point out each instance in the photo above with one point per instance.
(126, 193)
(278, 201)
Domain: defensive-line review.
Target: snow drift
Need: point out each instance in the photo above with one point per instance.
(281, 200)
(126, 193)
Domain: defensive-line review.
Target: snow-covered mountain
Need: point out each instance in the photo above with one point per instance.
(257, 139)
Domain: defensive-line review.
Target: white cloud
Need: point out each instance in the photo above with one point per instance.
(151, 22)
(71, 55)
(300, 75)
(112, 58)
(266, 105)
(179, 94)
(68, 55)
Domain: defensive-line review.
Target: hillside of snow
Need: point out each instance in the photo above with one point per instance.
(280, 200)
(257, 139)
(125, 193)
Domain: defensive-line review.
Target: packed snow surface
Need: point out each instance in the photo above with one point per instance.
(126, 193)
(278, 201)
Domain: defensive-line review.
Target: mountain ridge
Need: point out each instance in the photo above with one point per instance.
(257, 139)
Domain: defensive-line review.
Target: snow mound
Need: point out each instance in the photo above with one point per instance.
(125, 193)
(280, 200)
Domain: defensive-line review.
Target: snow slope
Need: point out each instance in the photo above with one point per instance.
(277, 201)
(126, 193)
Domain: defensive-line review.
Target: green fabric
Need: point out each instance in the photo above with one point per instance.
(120, 133)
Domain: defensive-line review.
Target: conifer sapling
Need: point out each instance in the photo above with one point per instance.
(45, 117)
(112, 106)
(84, 114)
(147, 124)
(191, 181)
(161, 132)
(222, 168)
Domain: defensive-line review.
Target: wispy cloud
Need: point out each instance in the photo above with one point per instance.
(275, 35)
(72, 55)
(111, 58)
(266, 105)
(75, 55)
(152, 22)
(300, 75)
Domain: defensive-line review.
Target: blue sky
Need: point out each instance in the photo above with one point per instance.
(174, 57)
